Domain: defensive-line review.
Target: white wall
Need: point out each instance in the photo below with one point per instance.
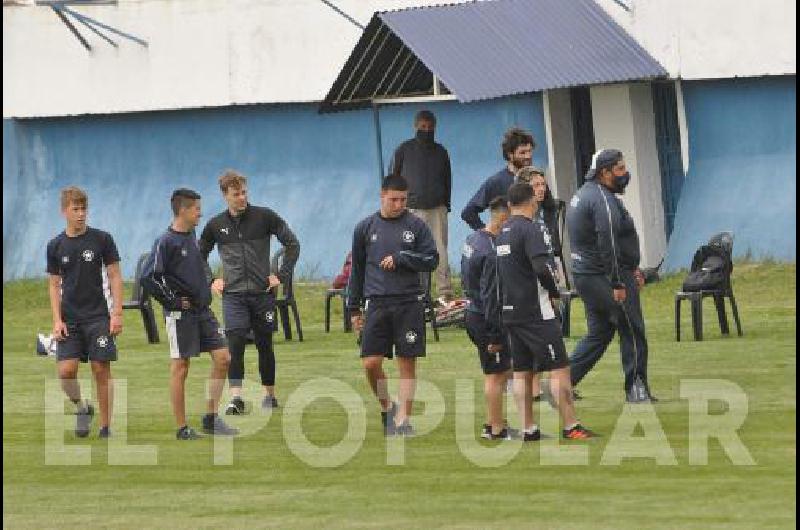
(201, 53)
(623, 119)
(705, 39)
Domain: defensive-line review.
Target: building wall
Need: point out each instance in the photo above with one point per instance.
(742, 168)
(318, 171)
(623, 119)
(704, 39)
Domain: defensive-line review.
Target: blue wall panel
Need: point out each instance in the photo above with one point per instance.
(743, 168)
(318, 171)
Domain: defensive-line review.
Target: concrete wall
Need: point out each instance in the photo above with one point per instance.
(623, 119)
(702, 39)
(201, 53)
(742, 168)
(318, 171)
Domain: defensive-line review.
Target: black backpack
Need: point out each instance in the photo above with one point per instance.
(711, 269)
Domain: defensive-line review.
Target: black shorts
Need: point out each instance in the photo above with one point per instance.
(193, 331)
(87, 341)
(254, 311)
(390, 324)
(491, 363)
(537, 346)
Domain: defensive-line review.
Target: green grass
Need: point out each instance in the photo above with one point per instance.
(268, 486)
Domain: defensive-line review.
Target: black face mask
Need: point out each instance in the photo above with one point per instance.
(425, 137)
(621, 181)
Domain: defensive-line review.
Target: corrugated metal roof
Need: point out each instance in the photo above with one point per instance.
(488, 49)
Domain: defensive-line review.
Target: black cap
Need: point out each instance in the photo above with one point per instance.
(602, 159)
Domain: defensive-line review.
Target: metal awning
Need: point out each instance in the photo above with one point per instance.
(488, 49)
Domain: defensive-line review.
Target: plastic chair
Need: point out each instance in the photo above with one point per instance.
(332, 293)
(287, 301)
(141, 300)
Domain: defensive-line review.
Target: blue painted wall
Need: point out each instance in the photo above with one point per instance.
(318, 171)
(743, 168)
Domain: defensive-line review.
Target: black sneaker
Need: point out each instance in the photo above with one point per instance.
(576, 396)
(213, 424)
(186, 433)
(104, 433)
(387, 419)
(269, 402)
(486, 433)
(533, 436)
(578, 432)
(83, 420)
(235, 407)
(405, 429)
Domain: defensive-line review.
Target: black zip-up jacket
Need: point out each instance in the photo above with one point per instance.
(478, 248)
(602, 235)
(244, 247)
(426, 167)
(410, 243)
(175, 269)
(494, 186)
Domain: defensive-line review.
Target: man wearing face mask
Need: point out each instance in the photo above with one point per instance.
(425, 165)
(605, 268)
(517, 148)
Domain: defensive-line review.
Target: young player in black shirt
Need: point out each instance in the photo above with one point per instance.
(85, 321)
(178, 277)
(526, 288)
(390, 250)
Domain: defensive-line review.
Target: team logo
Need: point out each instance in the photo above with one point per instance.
(503, 250)
(183, 252)
(575, 200)
(221, 332)
(411, 336)
(373, 237)
(467, 251)
(65, 259)
(269, 316)
(552, 352)
(408, 236)
(224, 230)
(87, 255)
(102, 341)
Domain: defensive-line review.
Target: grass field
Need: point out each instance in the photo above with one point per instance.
(267, 485)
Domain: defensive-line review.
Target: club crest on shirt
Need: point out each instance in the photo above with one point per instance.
(87, 255)
(102, 341)
(467, 251)
(373, 237)
(269, 316)
(184, 252)
(575, 200)
(65, 259)
(408, 236)
(411, 336)
(224, 230)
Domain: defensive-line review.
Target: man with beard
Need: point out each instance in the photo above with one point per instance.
(425, 164)
(605, 268)
(517, 148)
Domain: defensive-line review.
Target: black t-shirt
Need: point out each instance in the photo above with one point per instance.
(524, 293)
(79, 261)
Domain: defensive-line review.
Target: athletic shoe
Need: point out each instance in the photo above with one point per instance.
(405, 429)
(186, 433)
(387, 419)
(213, 424)
(533, 436)
(578, 432)
(83, 420)
(235, 407)
(269, 402)
(104, 433)
(576, 396)
(486, 433)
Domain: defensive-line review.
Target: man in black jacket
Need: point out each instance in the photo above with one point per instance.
(425, 164)
(390, 249)
(605, 267)
(517, 149)
(178, 277)
(242, 233)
